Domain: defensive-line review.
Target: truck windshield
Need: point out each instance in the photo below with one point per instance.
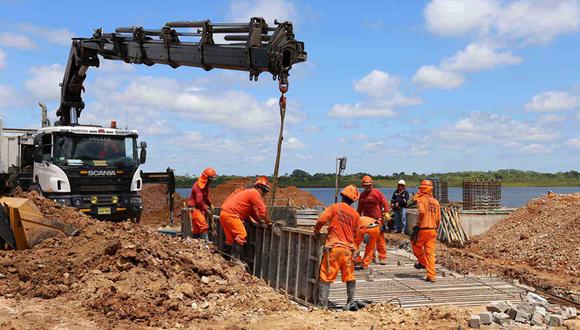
(93, 149)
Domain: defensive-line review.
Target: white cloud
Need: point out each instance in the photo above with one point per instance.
(294, 144)
(58, 36)
(114, 66)
(377, 84)
(551, 101)
(523, 21)
(6, 95)
(384, 93)
(552, 118)
(573, 143)
(430, 76)
(477, 57)
(16, 40)
(45, 80)
(242, 11)
(374, 145)
(536, 149)
(2, 59)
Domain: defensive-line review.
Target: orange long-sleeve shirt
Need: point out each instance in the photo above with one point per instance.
(343, 224)
(372, 204)
(429, 211)
(246, 203)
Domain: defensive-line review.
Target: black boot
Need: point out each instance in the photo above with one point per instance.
(227, 252)
(237, 251)
(196, 236)
(350, 287)
(323, 292)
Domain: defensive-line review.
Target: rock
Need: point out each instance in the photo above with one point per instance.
(194, 306)
(501, 318)
(486, 318)
(541, 310)
(535, 299)
(2, 275)
(525, 307)
(222, 282)
(475, 322)
(555, 320)
(518, 315)
(66, 275)
(186, 289)
(498, 307)
(537, 319)
(96, 272)
(572, 312)
(205, 279)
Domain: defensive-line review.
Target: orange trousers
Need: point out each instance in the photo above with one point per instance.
(233, 228)
(382, 246)
(424, 250)
(373, 233)
(339, 258)
(198, 222)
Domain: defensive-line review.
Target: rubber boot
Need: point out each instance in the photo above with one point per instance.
(227, 252)
(237, 251)
(323, 292)
(196, 236)
(350, 287)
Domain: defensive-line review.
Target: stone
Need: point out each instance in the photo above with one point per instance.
(501, 318)
(475, 322)
(486, 318)
(535, 299)
(194, 306)
(518, 315)
(525, 307)
(186, 289)
(572, 312)
(498, 307)
(537, 319)
(568, 313)
(205, 279)
(555, 320)
(541, 310)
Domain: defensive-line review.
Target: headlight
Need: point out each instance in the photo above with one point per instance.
(114, 199)
(94, 200)
(135, 200)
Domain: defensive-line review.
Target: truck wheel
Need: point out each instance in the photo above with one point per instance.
(136, 219)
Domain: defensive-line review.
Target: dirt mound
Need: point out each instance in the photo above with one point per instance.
(131, 273)
(286, 196)
(537, 245)
(156, 205)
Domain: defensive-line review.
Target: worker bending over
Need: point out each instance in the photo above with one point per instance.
(425, 232)
(343, 223)
(369, 227)
(201, 204)
(247, 204)
(373, 204)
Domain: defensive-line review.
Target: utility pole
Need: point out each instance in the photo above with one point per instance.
(340, 167)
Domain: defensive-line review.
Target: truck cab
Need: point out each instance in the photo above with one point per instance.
(94, 169)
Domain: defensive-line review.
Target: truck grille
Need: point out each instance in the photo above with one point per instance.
(103, 185)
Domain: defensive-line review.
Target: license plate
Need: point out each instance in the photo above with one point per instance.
(104, 210)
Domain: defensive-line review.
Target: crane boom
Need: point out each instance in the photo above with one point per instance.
(257, 48)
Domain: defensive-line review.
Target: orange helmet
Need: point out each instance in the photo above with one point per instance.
(210, 172)
(262, 182)
(367, 180)
(427, 183)
(351, 192)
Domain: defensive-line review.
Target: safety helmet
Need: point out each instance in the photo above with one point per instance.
(350, 192)
(262, 183)
(367, 180)
(210, 173)
(426, 183)
(402, 182)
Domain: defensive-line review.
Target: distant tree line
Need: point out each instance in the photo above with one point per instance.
(509, 177)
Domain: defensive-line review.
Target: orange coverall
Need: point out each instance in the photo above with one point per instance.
(238, 207)
(373, 204)
(343, 225)
(199, 198)
(373, 233)
(429, 220)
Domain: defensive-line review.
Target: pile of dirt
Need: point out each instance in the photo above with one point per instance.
(156, 205)
(285, 196)
(131, 273)
(537, 244)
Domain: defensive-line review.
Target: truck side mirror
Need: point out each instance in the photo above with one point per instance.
(143, 153)
(37, 154)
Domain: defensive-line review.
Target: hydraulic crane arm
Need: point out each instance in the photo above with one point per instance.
(257, 48)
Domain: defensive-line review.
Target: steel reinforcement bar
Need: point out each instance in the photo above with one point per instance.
(287, 259)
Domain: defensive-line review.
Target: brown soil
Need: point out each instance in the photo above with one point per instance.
(286, 196)
(156, 205)
(537, 245)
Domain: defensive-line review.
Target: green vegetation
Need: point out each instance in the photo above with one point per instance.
(510, 178)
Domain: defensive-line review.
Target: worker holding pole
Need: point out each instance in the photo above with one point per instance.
(373, 204)
(200, 203)
(247, 204)
(343, 224)
(425, 232)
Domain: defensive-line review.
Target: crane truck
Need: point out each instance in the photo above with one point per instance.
(98, 169)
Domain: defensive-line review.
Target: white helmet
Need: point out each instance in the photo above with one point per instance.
(401, 182)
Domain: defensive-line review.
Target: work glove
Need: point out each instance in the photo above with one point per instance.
(387, 216)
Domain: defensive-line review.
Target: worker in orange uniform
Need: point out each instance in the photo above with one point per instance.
(373, 204)
(247, 204)
(343, 224)
(199, 201)
(425, 232)
(369, 227)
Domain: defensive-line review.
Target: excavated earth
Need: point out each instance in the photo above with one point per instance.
(122, 275)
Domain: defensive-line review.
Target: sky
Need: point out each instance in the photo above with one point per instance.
(395, 86)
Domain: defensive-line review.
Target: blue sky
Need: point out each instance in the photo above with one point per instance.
(414, 86)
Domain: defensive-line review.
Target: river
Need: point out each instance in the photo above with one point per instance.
(512, 197)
